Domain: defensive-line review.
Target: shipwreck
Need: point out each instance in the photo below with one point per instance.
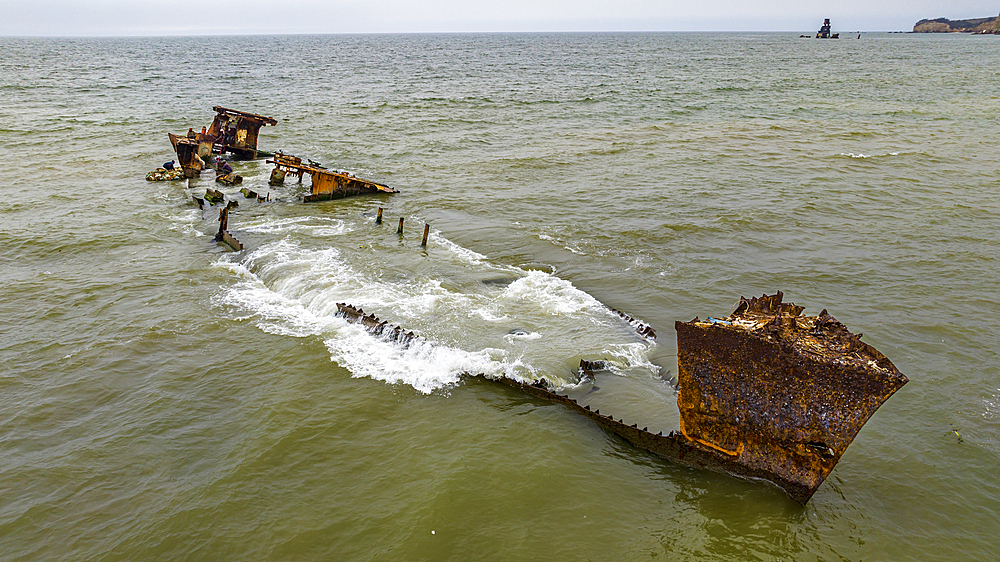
(764, 393)
(236, 132)
(326, 184)
(231, 131)
(824, 31)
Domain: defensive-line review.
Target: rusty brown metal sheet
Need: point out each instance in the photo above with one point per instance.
(245, 115)
(187, 155)
(778, 393)
(764, 393)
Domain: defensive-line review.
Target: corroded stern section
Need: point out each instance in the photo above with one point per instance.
(764, 393)
(778, 394)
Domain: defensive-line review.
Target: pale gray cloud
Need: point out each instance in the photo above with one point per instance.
(171, 17)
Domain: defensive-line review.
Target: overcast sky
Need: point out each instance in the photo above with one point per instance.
(226, 17)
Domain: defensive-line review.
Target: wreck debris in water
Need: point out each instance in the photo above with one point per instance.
(223, 236)
(326, 184)
(824, 31)
(779, 394)
(764, 393)
(236, 131)
(187, 155)
(231, 131)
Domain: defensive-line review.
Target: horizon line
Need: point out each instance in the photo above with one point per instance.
(451, 32)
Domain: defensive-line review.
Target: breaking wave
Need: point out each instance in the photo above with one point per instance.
(473, 316)
(866, 156)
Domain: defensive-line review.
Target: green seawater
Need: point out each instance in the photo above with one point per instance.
(163, 398)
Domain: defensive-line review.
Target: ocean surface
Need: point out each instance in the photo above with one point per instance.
(165, 398)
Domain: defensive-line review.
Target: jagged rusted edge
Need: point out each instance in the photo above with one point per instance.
(641, 328)
(674, 446)
(385, 330)
(769, 305)
(223, 237)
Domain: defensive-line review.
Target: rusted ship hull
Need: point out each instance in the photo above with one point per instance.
(764, 394)
(332, 185)
(777, 392)
(674, 446)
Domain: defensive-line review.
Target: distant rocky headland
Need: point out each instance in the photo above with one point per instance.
(943, 25)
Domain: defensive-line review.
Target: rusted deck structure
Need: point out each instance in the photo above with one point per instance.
(326, 184)
(764, 393)
(236, 131)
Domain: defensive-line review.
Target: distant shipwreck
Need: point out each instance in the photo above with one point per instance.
(824, 31)
(236, 132)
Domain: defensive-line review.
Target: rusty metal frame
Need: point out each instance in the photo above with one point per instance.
(326, 184)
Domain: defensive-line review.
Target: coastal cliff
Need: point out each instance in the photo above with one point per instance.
(943, 25)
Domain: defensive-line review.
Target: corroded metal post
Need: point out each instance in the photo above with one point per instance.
(378, 217)
(223, 235)
(399, 229)
(427, 229)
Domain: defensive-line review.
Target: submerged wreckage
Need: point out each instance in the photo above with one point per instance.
(764, 393)
(326, 184)
(231, 131)
(236, 132)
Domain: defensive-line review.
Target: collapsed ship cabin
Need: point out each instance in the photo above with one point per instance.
(236, 131)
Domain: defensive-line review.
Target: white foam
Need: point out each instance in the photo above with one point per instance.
(862, 156)
(632, 356)
(291, 289)
(276, 313)
(474, 258)
(551, 294)
(422, 365)
(317, 226)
